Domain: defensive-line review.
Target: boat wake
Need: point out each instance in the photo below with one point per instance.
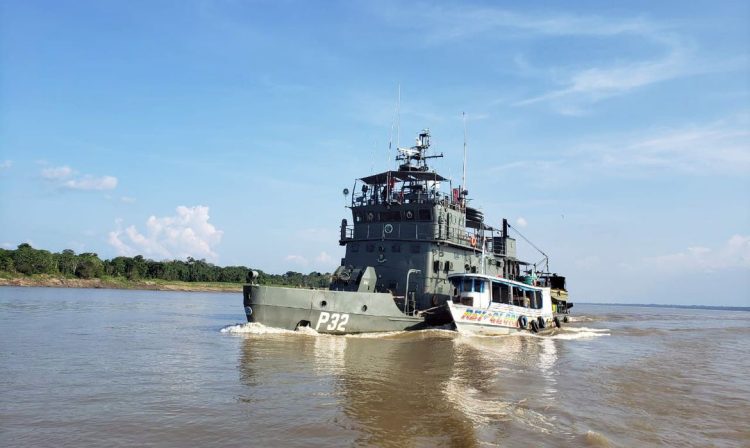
(480, 410)
(571, 333)
(256, 328)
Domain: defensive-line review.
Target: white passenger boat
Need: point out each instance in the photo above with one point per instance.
(487, 305)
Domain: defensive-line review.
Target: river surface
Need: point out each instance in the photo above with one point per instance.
(84, 367)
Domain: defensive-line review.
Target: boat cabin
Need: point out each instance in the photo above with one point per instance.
(483, 291)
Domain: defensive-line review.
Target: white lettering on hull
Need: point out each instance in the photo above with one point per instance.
(336, 321)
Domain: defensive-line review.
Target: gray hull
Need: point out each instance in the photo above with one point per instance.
(334, 312)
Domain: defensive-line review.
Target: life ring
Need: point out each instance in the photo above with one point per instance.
(542, 323)
(534, 326)
(388, 228)
(473, 240)
(409, 214)
(557, 322)
(523, 322)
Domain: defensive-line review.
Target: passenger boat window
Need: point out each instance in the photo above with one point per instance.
(538, 295)
(496, 296)
(357, 216)
(456, 282)
(529, 300)
(504, 293)
(425, 215)
(468, 285)
(517, 296)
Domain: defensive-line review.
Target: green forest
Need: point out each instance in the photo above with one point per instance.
(28, 261)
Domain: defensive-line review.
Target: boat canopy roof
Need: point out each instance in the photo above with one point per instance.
(495, 279)
(404, 176)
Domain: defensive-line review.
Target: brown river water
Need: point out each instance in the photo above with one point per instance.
(84, 367)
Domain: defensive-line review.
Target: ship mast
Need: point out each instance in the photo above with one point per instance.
(463, 178)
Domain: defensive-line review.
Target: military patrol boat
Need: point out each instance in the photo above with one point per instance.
(407, 237)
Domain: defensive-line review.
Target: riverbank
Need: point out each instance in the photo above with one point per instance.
(117, 283)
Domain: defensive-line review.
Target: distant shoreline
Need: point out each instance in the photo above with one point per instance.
(119, 283)
(659, 305)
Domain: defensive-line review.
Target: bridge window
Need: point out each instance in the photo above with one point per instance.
(390, 216)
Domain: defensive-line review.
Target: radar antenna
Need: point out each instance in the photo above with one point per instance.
(417, 153)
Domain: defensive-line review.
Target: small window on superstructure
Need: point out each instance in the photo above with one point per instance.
(425, 214)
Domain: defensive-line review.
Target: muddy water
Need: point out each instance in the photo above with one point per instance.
(120, 368)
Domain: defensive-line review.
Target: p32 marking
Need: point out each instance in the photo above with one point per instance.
(335, 321)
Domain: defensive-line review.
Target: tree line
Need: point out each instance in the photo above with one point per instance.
(29, 261)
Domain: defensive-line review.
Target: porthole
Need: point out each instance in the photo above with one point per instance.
(364, 308)
(323, 303)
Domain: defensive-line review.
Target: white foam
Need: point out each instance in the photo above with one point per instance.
(384, 334)
(572, 333)
(480, 410)
(582, 329)
(254, 328)
(308, 331)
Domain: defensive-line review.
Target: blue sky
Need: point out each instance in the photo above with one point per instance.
(617, 137)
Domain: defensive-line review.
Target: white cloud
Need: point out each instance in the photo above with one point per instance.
(521, 222)
(735, 253)
(127, 199)
(574, 87)
(722, 146)
(188, 234)
(67, 178)
(60, 172)
(439, 24)
(297, 259)
(91, 183)
(7, 246)
(323, 258)
(5, 164)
